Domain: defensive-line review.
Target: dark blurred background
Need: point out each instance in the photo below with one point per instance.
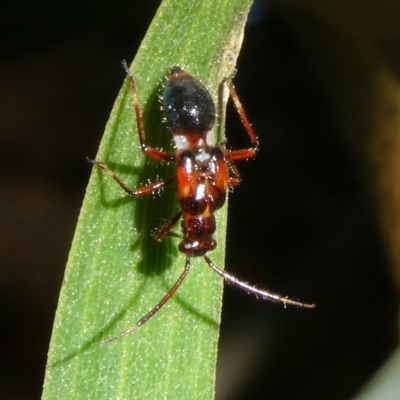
(300, 223)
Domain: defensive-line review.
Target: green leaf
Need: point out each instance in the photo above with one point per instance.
(116, 271)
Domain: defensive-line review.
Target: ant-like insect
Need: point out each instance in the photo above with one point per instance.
(204, 174)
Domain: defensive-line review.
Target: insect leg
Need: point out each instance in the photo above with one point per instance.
(166, 229)
(242, 153)
(234, 175)
(139, 192)
(149, 151)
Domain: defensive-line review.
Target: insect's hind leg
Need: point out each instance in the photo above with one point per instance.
(149, 151)
(251, 151)
(139, 192)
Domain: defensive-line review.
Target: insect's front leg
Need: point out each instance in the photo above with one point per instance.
(139, 192)
(165, 230)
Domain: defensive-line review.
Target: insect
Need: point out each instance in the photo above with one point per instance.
(204, 174)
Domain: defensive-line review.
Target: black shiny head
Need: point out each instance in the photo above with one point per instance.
(188, 105)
